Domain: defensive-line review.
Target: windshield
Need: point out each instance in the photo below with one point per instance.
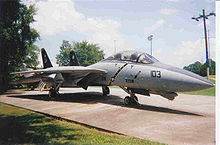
(144, 59)
(134, 57)
(152, 58)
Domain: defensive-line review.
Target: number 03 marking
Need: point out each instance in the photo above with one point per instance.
(156, 74)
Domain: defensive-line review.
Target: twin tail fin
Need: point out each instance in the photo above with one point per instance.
(45, 58)
(46, 61)
(73, 59)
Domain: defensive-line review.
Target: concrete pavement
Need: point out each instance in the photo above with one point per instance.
(189, 119)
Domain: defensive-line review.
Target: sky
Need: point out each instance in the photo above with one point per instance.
(177, 39)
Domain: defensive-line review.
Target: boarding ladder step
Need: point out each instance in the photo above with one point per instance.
(41, 85)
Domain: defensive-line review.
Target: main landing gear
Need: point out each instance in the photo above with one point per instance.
(105, 90)
(130, 100)
(54, 91)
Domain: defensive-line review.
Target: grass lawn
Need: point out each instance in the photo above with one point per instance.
(20, 126)
(206, 92)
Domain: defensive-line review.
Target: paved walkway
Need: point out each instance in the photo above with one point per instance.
(189, 119)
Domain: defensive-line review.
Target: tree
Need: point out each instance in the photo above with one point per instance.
(24, 37)
(195, 67)
(16, 37)
(31, 60)
(63, 57)
(211, 68)
(87, 53)
(200, 68)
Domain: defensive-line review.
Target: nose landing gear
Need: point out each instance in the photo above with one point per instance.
(130, 100)
(105, 90)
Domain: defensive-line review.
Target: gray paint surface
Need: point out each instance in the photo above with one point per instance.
(172, 79)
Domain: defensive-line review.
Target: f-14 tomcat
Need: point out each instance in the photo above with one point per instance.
(134, 72)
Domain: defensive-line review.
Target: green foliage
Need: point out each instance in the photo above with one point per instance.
(31, 60)
(200, 68)
(87, 53)
(16, 36)
(63, 57)
(211, 68)
(195, 67)
(16, 39)
(19, 126)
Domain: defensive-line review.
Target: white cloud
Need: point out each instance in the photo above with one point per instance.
(181, 30)
(173, 0)
(166, 11)
(155, 26)
(55, 16)
(28, 2)
(210, 1)
(188, 52)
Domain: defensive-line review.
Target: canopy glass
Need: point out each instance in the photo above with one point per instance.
(133, 56)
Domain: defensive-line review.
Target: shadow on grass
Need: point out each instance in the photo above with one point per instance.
(31, 128)
(96, 97)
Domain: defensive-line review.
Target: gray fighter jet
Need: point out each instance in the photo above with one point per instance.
(134, 72)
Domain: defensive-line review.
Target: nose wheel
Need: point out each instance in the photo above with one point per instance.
(127, 100)
(131, 100)
(105, 90)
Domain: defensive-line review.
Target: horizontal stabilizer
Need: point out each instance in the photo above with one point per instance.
(32, 79)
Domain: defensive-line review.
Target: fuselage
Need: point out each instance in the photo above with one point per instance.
(134, 72)
(154, 76)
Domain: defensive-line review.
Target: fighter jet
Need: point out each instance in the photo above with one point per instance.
(134, 72)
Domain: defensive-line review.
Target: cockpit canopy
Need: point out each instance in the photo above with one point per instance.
(133, 56)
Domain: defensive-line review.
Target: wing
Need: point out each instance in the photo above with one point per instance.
(64, 69)
(69, 75)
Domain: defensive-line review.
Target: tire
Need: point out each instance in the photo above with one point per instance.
(127, 100)
(105, 90)
(52, 93)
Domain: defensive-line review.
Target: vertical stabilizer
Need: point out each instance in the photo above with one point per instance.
(45, 58)
(73, 59)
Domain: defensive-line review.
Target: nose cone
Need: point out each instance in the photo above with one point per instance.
(193, 82)
(201, 83)
(180, 80)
